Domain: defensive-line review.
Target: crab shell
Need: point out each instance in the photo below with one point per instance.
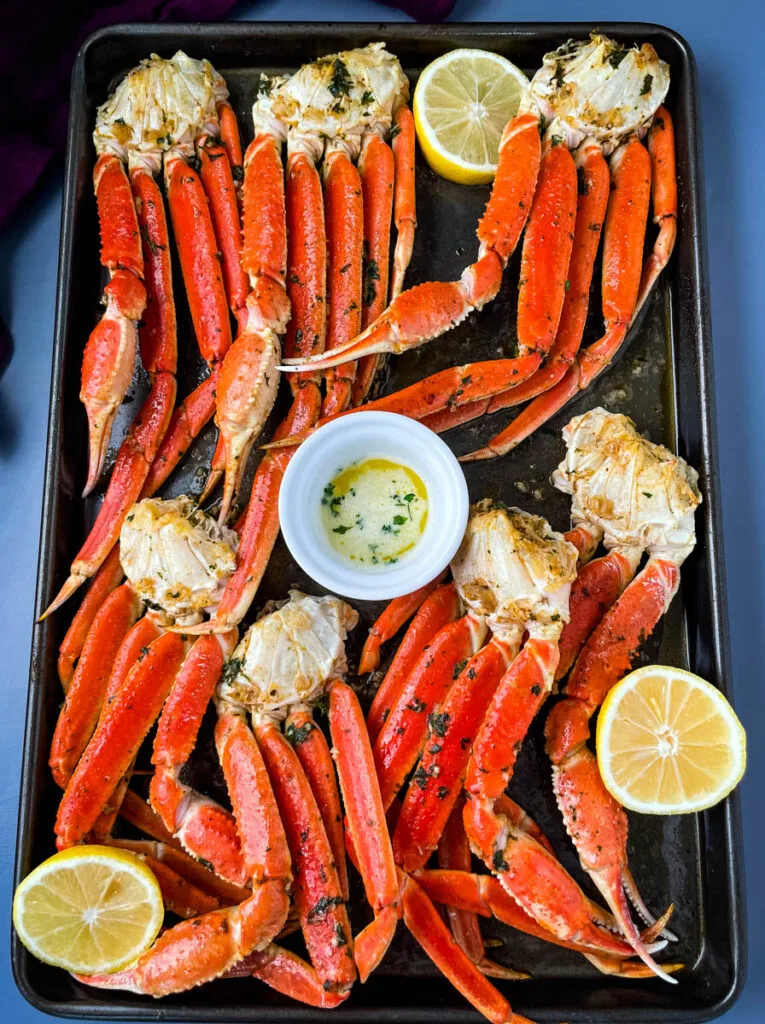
(336, 98)
(598, 88)
(639, 493)
(514, 570)
(176, 558)
(288, 655)
(158, 106)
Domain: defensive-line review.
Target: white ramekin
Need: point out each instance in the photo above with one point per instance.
(358, 436)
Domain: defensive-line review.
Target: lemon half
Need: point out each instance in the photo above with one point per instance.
(462, 103)
(89, 909)
(669, 742)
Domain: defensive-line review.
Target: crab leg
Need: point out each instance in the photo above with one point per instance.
(404, 198)
(661, 146)
(134, 460)
(158, 335)
(120, 732)
(223, 191)
(178, 878)
(441, 607)
(454, 855)
(390, 622)
(493, 835)
(316, 760)
(427, 926)
(218, 184)
(86, 695)
(109, 356)
(441, 771)
(306, 263)
(623, 239)
(428, 310)
(366, 825)
(248, 377)
(137, 640)
(446, 389)
(232, 143)
(205, 947)
(159, 354)
(197, 253)
(345, 234)
(546, 254)
(186, 423)
(106, 580)
(377, 170)
(306, 279)
(622, 253)
(261, 523)
(593, 190)
(289, 974)
(484, 895)
(204, 829)
(195, 873)
(594, 590)
(524, 866)
(401, 739)
(138, 812)
(594, 820)
(317, 890)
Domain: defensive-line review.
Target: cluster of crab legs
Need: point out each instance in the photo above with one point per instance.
(553, 188)
(450, 716)
(232, 219)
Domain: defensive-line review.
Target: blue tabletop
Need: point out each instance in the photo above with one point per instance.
(727, 41)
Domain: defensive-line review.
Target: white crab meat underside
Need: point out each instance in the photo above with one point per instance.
(160, 105)
(514, 570)
(598, 88)
(288, 655)
(639, 493)
(333, 100)
(177, 559)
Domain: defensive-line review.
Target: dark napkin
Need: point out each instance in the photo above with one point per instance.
(38, 45)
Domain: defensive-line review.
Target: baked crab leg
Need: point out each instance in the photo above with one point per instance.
(473, 894)
(110, 351)
(653, 496)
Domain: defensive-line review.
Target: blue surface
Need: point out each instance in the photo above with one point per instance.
(727, 41)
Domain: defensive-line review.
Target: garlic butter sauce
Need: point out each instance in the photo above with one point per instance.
(374, 511)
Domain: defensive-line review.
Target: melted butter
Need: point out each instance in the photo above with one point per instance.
(374, 511)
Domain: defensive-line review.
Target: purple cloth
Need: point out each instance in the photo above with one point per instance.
(36, 57)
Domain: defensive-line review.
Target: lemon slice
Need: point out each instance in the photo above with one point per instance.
(89, 909)
(462, 103)
(669, 742)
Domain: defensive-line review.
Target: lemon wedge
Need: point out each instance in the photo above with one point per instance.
(668, 742)
(89, 909)
(462, 103)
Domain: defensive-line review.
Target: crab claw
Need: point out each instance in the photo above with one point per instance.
(107, 365)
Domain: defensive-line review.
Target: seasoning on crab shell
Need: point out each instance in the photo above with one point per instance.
(514, 569)
(289, 654)
(177, 559)
(639, 493)
(599, 88)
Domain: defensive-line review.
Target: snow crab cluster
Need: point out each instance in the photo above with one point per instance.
(286, 268)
